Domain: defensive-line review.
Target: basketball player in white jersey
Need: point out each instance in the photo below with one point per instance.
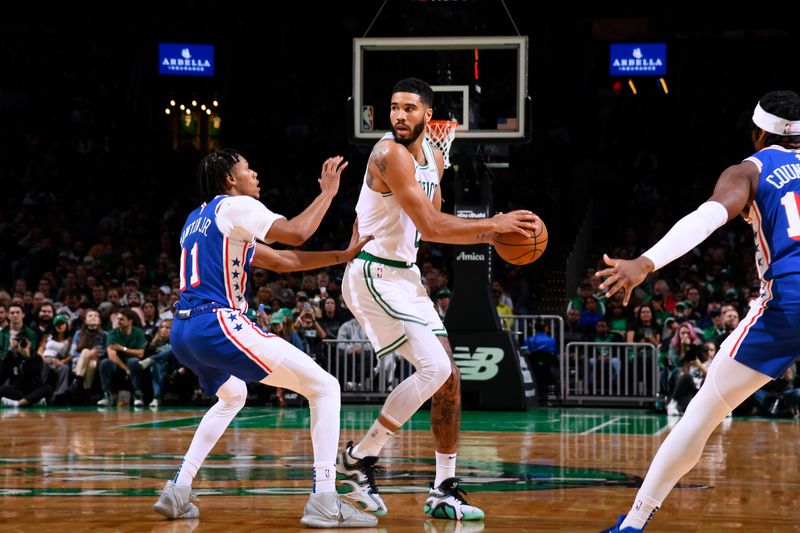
(400, 204)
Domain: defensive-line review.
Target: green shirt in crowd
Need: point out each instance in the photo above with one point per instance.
(135, 340)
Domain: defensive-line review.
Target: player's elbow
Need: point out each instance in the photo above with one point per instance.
(295, 238)
(291, 232)
(283, 265)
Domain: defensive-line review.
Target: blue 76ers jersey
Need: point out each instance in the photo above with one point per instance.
(775, 213)
(217, 247)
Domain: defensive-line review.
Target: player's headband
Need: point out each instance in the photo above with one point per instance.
(774, 124)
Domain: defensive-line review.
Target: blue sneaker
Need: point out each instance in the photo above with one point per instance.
(615, 528)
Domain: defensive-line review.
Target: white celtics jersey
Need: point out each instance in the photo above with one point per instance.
(381, 216)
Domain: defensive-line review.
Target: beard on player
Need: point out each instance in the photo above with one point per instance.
(411, 134)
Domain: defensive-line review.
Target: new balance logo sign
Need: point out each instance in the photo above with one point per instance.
(480, 365)
(464, 256)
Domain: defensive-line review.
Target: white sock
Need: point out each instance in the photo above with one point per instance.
(186, 472)
(11, 403)
(445, 467)
(373, 442)
(324, 477)
(643, 509)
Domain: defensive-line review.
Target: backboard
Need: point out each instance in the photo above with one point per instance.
(482, 82)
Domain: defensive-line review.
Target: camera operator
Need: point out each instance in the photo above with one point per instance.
(310, 331)
(21, 367)
(694, 367)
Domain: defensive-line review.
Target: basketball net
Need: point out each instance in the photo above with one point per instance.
(441, 133)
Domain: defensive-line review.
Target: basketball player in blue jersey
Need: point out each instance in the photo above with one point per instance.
(399, 204)
(765, 189)
(213, 336)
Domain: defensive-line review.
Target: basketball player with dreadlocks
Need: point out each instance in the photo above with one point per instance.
(765, 190)
(213, 336)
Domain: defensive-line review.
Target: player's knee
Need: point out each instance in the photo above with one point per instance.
(439, 370)
(233, 394)
(330, 385)
(323, 385)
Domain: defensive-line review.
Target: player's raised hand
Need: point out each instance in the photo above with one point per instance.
(331, 172)
(520, 221)
(624, 275)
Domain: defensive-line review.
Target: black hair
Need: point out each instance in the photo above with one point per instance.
(212, 171)
(130, 315)
(415, 86)
(786, 105)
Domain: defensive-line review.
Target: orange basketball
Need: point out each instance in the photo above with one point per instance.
(520, 250)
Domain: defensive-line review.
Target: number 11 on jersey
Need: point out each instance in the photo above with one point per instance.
(194, 279)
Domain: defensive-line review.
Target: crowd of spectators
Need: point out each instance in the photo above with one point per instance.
(687, 309)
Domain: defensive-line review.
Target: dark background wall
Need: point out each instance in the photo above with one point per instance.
(82, 115)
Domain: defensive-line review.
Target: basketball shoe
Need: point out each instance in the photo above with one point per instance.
(356, 479)
(616, 529)
(447, 501)
(174, 502)
(328, 510)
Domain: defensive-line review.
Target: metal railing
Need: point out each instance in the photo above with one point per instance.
(522, 327)
(361, 375)
(589, 372)
(609, 372)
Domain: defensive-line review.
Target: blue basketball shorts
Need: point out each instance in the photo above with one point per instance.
(768, 338)
(224, 342)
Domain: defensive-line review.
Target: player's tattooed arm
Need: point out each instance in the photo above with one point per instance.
(379, 158)
(377, 168)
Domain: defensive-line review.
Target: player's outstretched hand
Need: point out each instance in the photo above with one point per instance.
(356, 246)
(331, 172)
(624, 275)
(520, 221)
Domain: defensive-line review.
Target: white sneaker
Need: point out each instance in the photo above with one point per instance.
(7, 402)
(356, 480)
(154, 404)
(328, 510)
(175, 502)
(106, 401)
(138, 401)
(447, 501)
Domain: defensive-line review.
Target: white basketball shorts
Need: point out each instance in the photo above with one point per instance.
(383, 298)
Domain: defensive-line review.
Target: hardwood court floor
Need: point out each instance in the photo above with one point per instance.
(545, 470)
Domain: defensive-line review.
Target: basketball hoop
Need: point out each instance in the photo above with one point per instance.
(441, 133)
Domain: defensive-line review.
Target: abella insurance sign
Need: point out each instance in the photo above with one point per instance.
(647, 59)
(186, 59)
